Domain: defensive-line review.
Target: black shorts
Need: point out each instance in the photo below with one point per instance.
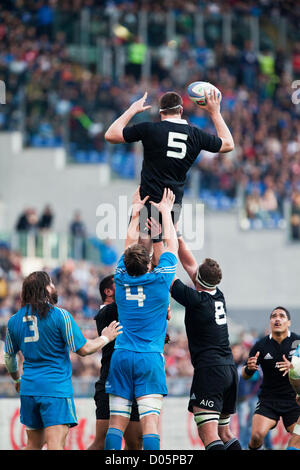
(150, 211)
(288, 410)
(102, 404)
(215, 388)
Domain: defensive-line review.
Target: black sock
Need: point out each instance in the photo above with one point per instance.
(256, 448)
(215, 445)
(232, 444)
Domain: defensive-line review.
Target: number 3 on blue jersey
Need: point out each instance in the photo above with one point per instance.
(140, 296)
(33, 327)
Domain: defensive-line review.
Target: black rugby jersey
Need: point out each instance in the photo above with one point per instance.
(104, 317)
(206, 325)
(274, 385)
(170, 148)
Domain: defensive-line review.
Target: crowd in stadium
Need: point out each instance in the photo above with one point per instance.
(78, 289)
(256, 89)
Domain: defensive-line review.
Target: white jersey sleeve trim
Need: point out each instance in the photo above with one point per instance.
(69, 331)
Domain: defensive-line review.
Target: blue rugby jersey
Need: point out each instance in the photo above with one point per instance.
(142, 303)
(45, 344)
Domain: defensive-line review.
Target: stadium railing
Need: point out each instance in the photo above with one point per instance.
(52, 246)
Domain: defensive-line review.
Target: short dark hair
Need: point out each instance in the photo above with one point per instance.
(136, 260)
(284, 309)
(209, 273)
(106, 283)
(170, 103)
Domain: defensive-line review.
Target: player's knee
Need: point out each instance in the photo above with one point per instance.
(224, 429)
(56, 437)
(295, 438)
(257, 438)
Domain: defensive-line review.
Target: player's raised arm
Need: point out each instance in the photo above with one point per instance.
(114, 133)
(165, 207)
(212, 106)
(187, 259)
(133, 228)
(251, 367)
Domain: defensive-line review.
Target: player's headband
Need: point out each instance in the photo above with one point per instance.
(204, 283)
(173, 107)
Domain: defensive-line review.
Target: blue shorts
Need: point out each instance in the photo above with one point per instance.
(135, 374)
(42, 412)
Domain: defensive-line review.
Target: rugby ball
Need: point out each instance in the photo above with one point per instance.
(295, 372)
(196, 90)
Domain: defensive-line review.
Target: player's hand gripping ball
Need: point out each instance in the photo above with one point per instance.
(196, 90)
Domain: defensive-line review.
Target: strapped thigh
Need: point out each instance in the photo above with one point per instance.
(149, 405)
(206, 416)
(119, 406)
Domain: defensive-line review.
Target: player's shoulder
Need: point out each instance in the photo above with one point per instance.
(294, 336)
(13, 319)
(17, 317)
(219, 293)
(263, 342)
(168, 255)
(59, 313)
(107, 310)
(167, 261)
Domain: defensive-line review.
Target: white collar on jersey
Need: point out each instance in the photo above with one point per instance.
(177, 120)
(211, 292)
(289, 334)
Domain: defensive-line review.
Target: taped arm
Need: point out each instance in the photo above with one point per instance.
(10, 355)
(11, 363)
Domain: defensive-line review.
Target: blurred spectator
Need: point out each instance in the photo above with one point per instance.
(28, 221)
(3, 285)
(45, 17)
(249, 65)
(46, 219)
(137, 51)
(295, 216)
(77, 227)
(5, 262)
(296, 60)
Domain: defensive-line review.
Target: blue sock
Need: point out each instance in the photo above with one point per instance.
(292, 448)
(151, 442)
(113, 440)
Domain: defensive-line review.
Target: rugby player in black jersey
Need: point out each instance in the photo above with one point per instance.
(276, 396)
(133, 433)
(214, 388)
(170, 146)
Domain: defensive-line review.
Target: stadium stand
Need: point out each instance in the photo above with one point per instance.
(68, 98)
(71, 67)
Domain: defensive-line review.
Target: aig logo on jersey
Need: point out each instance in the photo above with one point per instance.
(208, 403)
